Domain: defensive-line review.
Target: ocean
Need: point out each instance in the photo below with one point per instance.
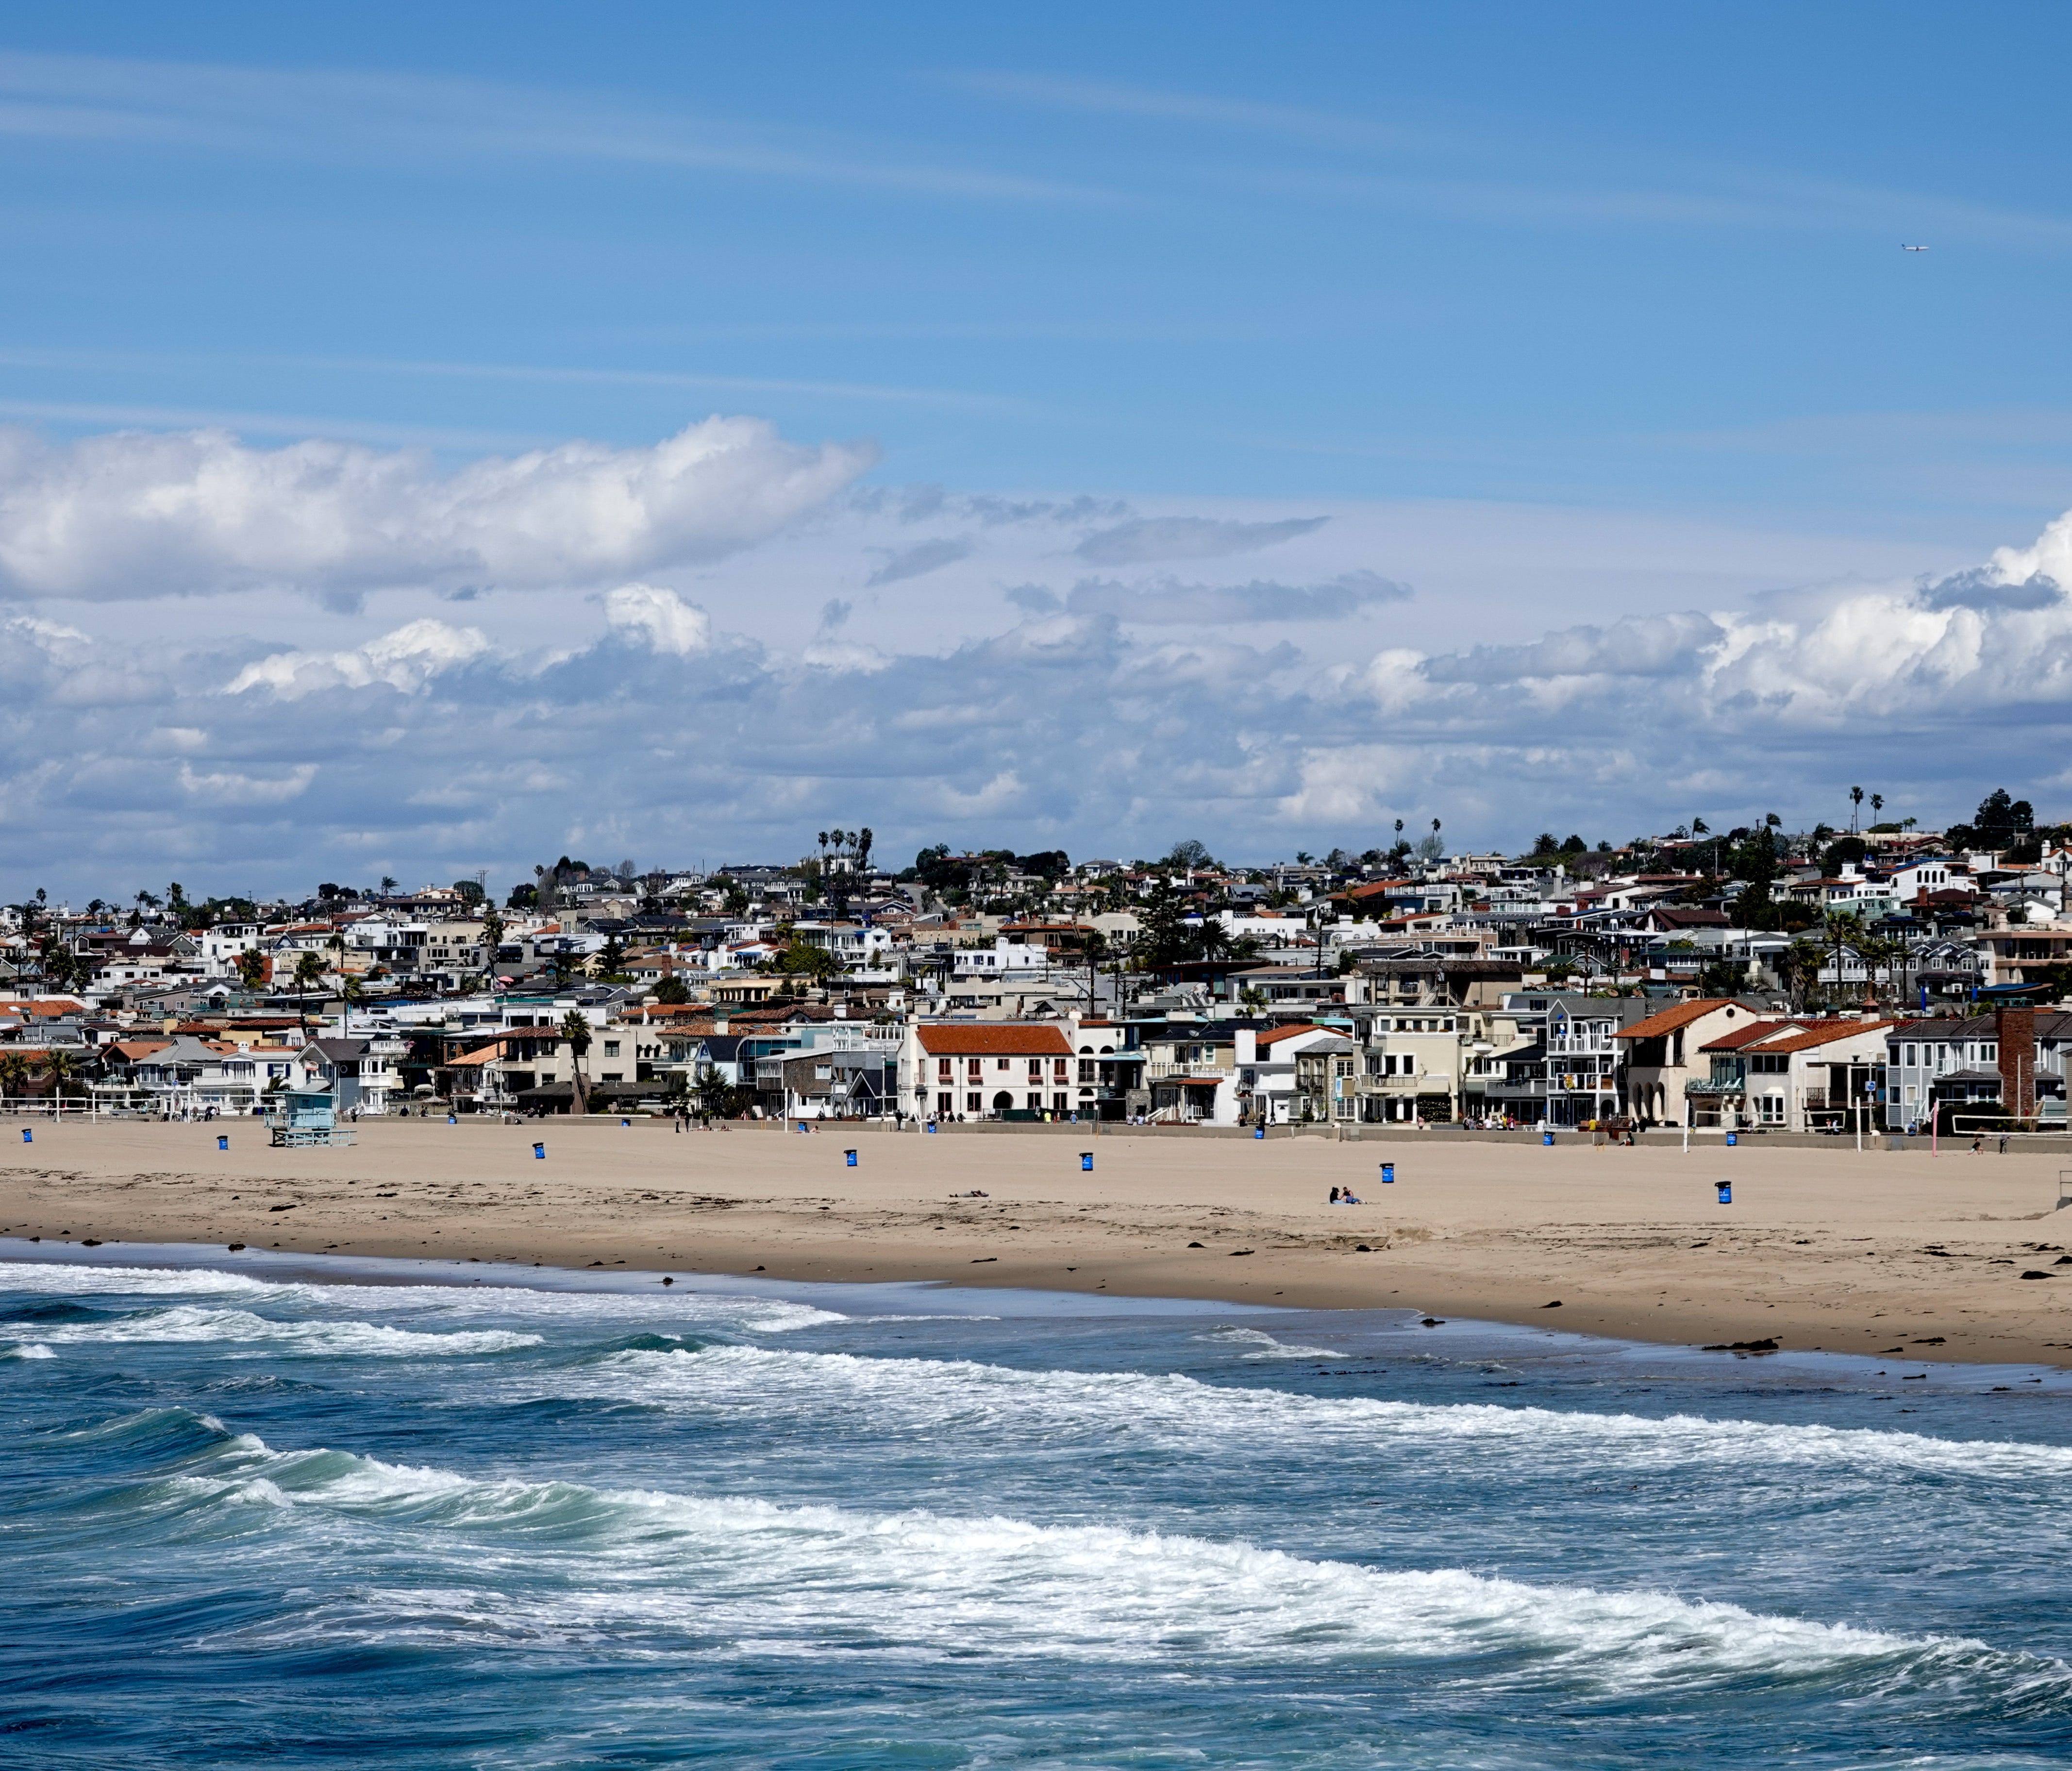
(255, 1514)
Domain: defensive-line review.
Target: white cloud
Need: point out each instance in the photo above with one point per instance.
(1188, 538)
(140, 515)
(407, 659)
(661, 618)
(227, 787)
(1051, 724)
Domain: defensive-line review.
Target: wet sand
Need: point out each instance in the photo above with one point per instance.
(1857, 1253)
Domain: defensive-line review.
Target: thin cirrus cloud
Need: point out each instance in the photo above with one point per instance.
(1145, 538)
(1164, 602)
(1446, 173)
(924, 558)
(395, 117)
(139, 515)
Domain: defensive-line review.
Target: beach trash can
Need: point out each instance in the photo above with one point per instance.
(1087, 1161)
(626, 1122)
(1259, 1130)
(1732, 1139)
(1388, 1174)
(931, 1127)
(1545, 1137)
(28, 1136)
(1726, 1191)
(223, 1143)
(539, 1153)
(848, 1157)
(451, 1119)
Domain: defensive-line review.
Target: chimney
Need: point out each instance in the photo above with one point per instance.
(1246, 1043)
(2015, 1031)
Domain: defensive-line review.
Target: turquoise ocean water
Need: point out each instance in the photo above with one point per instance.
(252, 1515)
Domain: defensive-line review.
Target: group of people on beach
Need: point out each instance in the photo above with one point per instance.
(1343, 1196)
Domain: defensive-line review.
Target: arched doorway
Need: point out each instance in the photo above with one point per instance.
(1002, 1101)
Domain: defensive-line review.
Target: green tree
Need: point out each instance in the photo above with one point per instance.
(576, 1030)
(13, 1074)
(309, 970)
(672, 990)
(252, 969)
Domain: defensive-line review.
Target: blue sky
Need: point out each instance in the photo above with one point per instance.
(1554, 322)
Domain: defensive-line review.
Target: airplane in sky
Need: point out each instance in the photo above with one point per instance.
(1913, 248)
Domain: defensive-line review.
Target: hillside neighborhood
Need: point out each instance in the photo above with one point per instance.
(1865, 979)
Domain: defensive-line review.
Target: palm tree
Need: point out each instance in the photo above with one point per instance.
(863, 840)
(576, 1030)
(62, 1067)
(13, 1074)
(1856, 804)
(1877, 806)
(252, 969)
(822, 840)
(309, 970)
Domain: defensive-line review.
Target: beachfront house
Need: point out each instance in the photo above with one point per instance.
(1663, 1062)
(956, 1069)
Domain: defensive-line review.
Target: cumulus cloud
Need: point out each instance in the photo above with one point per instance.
(1187, 538)
(140, 515)
(1076, 720)
(407, 659)
(1165, 603)
(659, 617)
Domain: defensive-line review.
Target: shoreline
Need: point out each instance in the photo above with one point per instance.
(1821, 1250)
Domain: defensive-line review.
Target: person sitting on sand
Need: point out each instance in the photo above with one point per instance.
(1349, 1200)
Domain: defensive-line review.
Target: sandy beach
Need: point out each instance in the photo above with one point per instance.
(1826, 1248)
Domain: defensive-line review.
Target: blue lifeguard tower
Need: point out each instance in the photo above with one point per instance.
(305, 1115)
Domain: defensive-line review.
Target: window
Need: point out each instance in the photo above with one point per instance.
(1035, 1102)
(1769, 1109)
(1035, 1069)
(971, 1104)
(1058, 1072)
(1989, 1053)
(1000, 1063)
(974, 1070)
(1910, 1057)
(942, 1070)
(611, 1048)
(1060, 1103)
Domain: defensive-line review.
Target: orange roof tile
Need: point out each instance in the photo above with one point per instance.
(1669, 1020)
(970, 1039)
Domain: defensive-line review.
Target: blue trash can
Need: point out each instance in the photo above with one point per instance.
(626, 1122)
(28, 1136)
(223, 1143)
(1545, 1137)
(1388, 1174)
(539, 1153)
(451, 1120)
(849, 1157)
(1259, 1130)
(1726, 1192)
(931, 1127)
(1087, 1161)
(1732, 1139)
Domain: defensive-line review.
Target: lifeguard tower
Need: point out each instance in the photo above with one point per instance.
(305, 1115)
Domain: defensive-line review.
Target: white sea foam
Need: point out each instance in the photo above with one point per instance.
(199, 1322)
(914, 1395)
(779, 1580)
(1266, 1347)
(28, 1349)
(622, 1310)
